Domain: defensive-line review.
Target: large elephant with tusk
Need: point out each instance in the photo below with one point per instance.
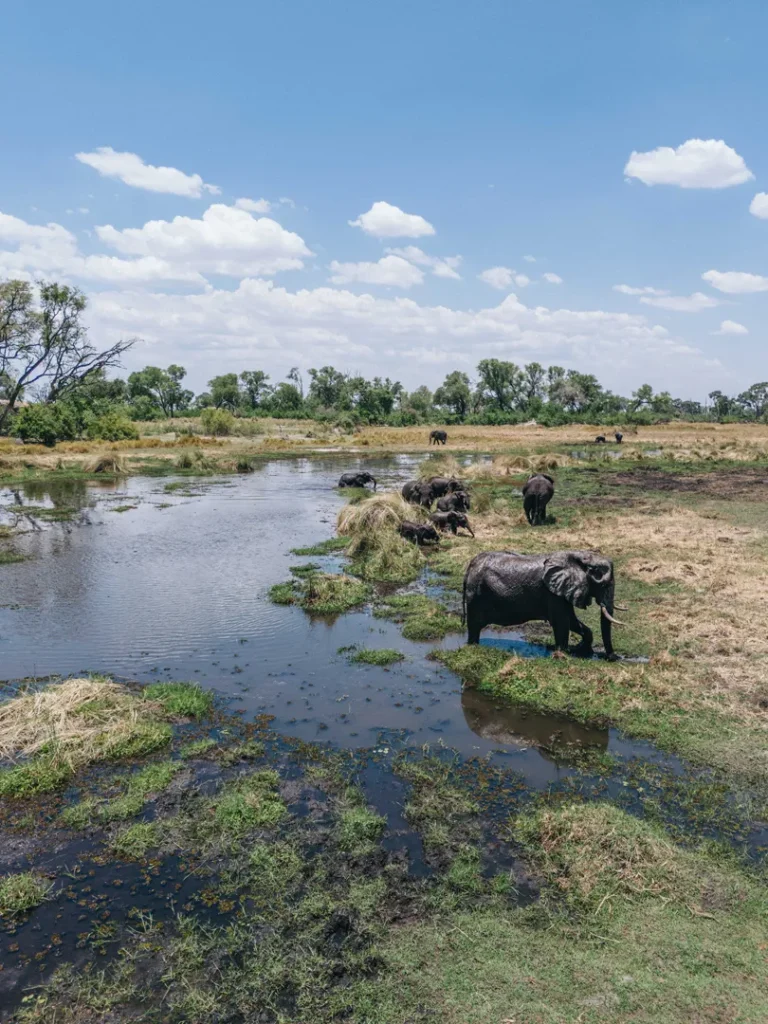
(507, 589)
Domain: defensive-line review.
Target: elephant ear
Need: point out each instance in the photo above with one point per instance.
(547, 477)
(565, 574)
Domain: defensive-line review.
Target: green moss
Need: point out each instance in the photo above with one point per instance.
(183, 700)
(134, 842)
(380, 656)
(22, 892)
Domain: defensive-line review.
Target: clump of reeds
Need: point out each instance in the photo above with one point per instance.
(112, 464)
(366, 522)
(196, 460)
(440, 465)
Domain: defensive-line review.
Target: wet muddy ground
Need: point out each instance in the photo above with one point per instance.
(146, 580)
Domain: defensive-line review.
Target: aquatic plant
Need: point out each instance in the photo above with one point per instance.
(321, 594)
(382, 656)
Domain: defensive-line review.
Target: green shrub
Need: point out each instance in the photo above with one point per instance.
(217, 422)
(45, 424)
(112, 427)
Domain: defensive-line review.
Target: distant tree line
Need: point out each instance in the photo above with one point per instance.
(55, 385)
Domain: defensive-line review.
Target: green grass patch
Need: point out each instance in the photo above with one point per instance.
(81, 815)
(445, 813)
(321, 594)
(248, 803)
(359, 827)
(379, 656)
(9, 557)
(185, 700)
(124, 508)
(421, 617)
(22, 892)
(142, 739)
(43, 773)
(197, 748)
(308, 569)
(134, 842)
(323, 547)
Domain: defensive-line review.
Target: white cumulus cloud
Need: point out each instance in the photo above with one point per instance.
(503, 277)
(628, 289)
(759, 206)
(529, 259)
(736, 282)
(681, 303)
(731, 327)
(386, 221)
(254, 205)
(132, 170)
(390, 270)
(224, 240)
(697, 163)
(552, 278)
(446, 266)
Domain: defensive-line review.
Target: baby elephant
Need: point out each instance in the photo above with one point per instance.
(600, 439)
(418, 533)
(451, 521)
(438, 437)
(356, 480)
(537, 494)
(619, 437)
(456, 502)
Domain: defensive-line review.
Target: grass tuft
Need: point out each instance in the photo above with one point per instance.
(110, 464)
(22, 892)
(359, 827)
(185, 700)
(380, 656)
(249, 803)
(321, 594)
(134, 841)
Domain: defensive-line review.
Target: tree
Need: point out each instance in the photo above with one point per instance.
(43, 343)
(721, 404)
(532, 383)
(642, 398)
(755, 399)
(500, 381)
(454, 394)
(327, 386)
(255, 387)
(419, 402)
(374, 400)
(225, 391)
(286, 398)
(294, 376)
(162, 387)
(45, 424)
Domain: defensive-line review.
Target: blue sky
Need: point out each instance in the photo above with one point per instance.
(506, 127)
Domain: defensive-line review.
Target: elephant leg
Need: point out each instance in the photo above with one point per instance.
(577, 626)
(474, 625)
(561, 628)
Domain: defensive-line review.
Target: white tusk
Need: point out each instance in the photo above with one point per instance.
(610, 618)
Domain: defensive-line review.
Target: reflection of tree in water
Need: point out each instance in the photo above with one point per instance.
(61, 493)
(512, 726)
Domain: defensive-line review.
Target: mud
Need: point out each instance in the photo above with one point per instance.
(745, 484)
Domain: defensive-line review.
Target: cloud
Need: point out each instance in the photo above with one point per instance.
(503, 277)
(386, 221)
(697, 163)
(759, 206)
(731, 327)
(254, 205)
(735, 282)
(552, 278)
(390, 270)
(225, 240)
(132, 170)
(529, 259)
(445, 267)
(628, 289)
(51, 249)
(682, 303)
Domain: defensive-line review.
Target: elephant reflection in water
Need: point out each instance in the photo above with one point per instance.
(509, 725)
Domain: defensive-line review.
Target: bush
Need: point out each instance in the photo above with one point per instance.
(217, 422)
(112, 427)
(45, 424)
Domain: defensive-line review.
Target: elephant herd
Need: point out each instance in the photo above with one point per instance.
(506, 588)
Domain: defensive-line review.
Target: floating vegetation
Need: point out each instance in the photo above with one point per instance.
(421, 617)
(321, 593)
(381, 656)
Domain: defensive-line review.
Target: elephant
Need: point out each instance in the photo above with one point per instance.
(600, 439)
(438, 437)
(510, 726)
(458, 501)
(619, 437)
(537, 494)
(442, 485)
(451, 521)
(508, 589)
(417, 492)
(356, 479)
(418, 533)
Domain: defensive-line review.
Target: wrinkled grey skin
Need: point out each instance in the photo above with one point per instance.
(418, 533)
(418, 493)
(537, 494)
(444, 485)
(456, 502)
(356, 479)
(619, 437)
(506, 589)
(451, 521)
(600, 439)
(438, 437)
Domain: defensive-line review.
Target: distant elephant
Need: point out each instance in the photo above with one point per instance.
(600, 439)
(456, 502)
(451, 521)
(418, 533)
(619, 437)
(438, 437)
(537, 494)
(509, 725)
(356, 480)
(417, 492)
(442, 485)
(508, 589)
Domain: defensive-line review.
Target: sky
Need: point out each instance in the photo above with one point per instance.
(398, 190)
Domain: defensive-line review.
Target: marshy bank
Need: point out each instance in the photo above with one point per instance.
(474, 878)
